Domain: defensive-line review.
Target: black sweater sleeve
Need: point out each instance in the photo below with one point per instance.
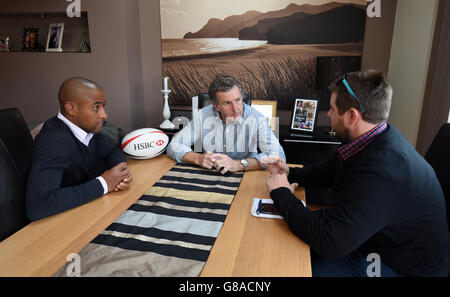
(45, 196)
(105, 150)
(317, 180)
(317, 175)
(338, 231)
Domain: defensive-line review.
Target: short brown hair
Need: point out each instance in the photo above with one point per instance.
(373, 91)
(223, 83)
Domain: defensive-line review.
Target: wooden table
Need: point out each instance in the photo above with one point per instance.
(246, 246)
(41, 248)
(257, 247)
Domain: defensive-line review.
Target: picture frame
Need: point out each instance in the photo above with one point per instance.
(54, 38)
(4, 44)
(269, 109)
(84, 44)
(304, 116)
(30, 40)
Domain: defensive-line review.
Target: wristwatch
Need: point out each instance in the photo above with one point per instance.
(244, 163)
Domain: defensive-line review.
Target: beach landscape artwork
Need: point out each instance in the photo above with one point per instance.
(273, 47)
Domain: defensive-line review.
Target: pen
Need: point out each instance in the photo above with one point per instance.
(258, 210)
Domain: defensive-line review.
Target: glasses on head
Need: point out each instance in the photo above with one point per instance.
(350, 90)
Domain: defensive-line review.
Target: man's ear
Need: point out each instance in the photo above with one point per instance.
(70, 108)
(215, 106)
(353, 116)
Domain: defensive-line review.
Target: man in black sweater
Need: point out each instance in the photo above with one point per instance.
(72, 162)
(387, 214)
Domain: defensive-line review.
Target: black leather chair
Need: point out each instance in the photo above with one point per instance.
(204, 100)
(18, 140)
(12, 196)
(438, 155)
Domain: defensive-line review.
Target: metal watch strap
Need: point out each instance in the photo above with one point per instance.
(244, 163)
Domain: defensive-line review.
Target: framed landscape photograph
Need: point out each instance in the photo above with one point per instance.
(304, 116)
(270, 46)
(54, 39)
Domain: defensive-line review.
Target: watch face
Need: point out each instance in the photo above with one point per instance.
(244, 163)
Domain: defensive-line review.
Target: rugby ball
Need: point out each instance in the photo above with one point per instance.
(145, 143)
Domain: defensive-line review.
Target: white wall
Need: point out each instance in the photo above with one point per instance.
(408, 67)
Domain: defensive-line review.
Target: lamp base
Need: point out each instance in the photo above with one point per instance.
(167, 125)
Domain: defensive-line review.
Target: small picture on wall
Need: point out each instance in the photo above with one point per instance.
(30, 40)
(304, 115)
(4, 44)
(54, 39)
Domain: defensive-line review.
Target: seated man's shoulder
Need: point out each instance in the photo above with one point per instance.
(392, 148)
(393, 157)
(207, 113)
(208, 110)
(53, 131)
(252, 110)
(252, 113)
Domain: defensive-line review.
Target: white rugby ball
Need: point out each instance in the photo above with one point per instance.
(145, 143)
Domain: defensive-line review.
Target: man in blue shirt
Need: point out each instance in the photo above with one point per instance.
(227, 135)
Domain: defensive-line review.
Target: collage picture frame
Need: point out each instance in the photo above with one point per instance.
(304, 115)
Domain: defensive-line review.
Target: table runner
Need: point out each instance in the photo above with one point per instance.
(169, 231)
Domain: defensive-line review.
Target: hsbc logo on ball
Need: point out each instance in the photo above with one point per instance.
(148, 145)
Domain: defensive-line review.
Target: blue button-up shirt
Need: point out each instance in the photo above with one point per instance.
(249, 137)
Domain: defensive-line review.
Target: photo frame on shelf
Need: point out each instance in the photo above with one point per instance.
(304, 116)
(4, 44)
(30, 41)
(269, 109)
(54, 38)
(84, 44)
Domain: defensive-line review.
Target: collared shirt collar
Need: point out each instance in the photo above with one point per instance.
(349, 150)
(79, 133)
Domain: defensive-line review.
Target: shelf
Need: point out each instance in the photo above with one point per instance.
(44, 52)
(12, 25)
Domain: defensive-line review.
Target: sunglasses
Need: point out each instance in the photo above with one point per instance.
(350, 91)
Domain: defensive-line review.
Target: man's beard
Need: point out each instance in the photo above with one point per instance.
(343, 135)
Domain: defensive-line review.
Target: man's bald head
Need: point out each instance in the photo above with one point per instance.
(74, 89)
(82, 102)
